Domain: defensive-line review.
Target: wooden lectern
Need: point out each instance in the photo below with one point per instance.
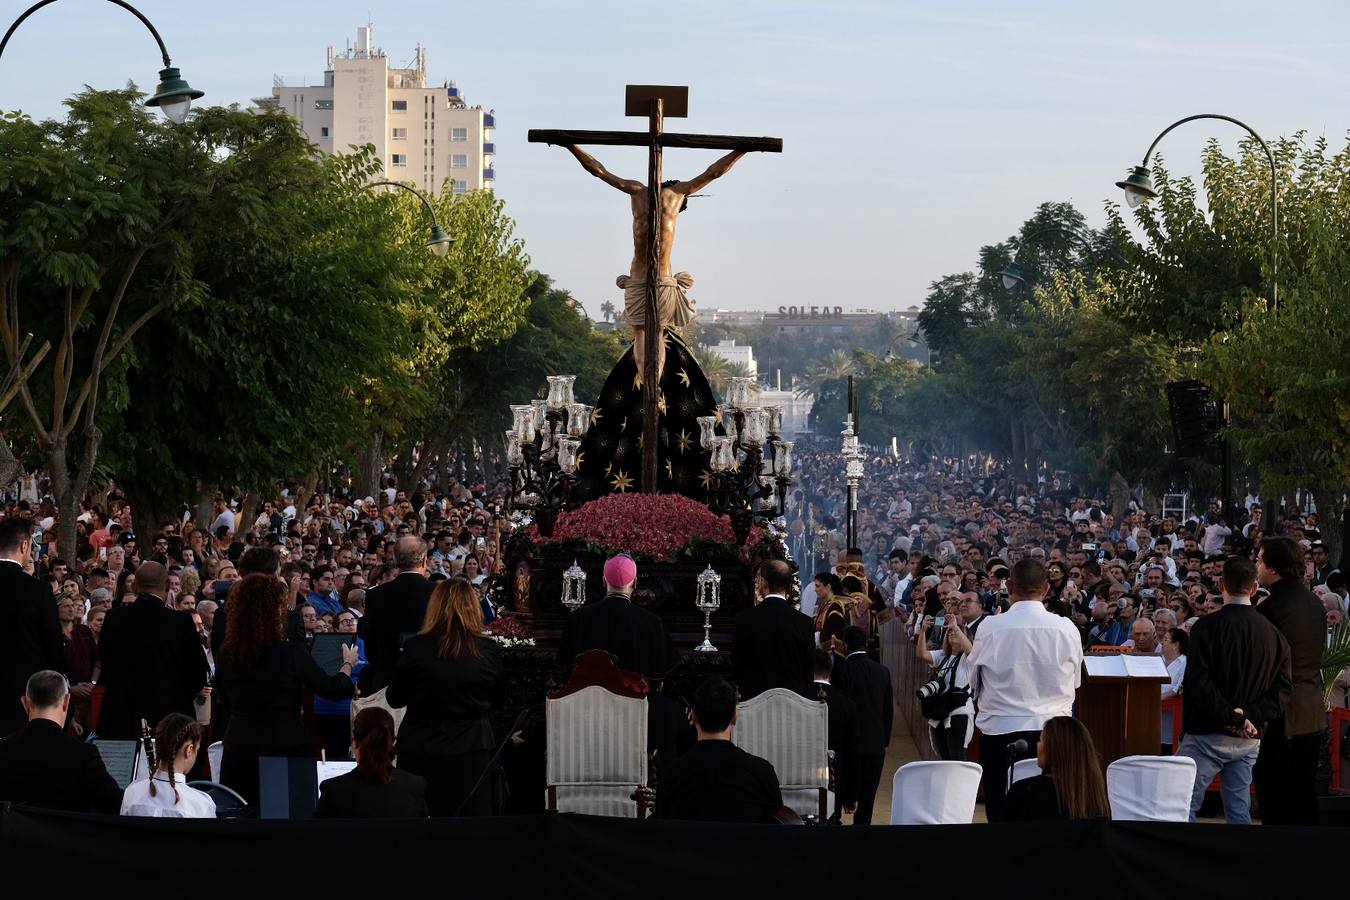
(1122, 711)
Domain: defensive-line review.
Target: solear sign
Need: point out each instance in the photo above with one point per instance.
(811, 312)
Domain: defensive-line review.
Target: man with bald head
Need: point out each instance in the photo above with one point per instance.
(153, 661)
(1144, 638)
(394, 610)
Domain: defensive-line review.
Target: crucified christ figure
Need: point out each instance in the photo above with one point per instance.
(674, 308)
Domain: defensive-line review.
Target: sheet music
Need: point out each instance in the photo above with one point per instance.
(120, 758)
(1105, 665)
(1125, 665)
(326, 770)
(1144, 666)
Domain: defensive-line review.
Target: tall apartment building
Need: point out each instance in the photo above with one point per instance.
(425, 134)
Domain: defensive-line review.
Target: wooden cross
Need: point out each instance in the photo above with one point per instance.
(655, 102)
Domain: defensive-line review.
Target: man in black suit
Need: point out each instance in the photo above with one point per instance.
(42, 765)
(153, 660)
(636, 636)
(868, 684)
(843, 737)
(1286, 768)
(394, 611)
(716, 781)
(30, 634)
(1237, 680)
(774, 643)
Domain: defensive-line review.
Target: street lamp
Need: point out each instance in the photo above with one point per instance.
(440, 241)
(914, 341)
(173, 95)
(1138, 188)
(853, 473)
(1012, 274)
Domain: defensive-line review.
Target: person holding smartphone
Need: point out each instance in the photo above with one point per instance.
(951, 735)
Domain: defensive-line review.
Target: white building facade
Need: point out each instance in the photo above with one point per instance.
(737, 354)
(426, 135)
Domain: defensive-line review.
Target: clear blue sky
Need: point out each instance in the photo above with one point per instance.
(914, 132)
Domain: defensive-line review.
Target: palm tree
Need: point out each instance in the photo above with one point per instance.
(836, 365)
(607, 310)
(716, 368)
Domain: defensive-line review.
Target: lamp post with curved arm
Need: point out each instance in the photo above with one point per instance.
(1138, 188)
(440, 241)
(173, 96)
(914, 341)
(1013, 275)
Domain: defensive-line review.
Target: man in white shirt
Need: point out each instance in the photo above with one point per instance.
(224, 515)
(1215, 535)
(1025, 668)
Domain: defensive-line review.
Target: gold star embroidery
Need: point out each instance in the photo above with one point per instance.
(706, 479)
(595, 415)
(717, 416)
(608, 469)
(581, 458)
(684, 377)
(622, 482)
(661, 403)
(670, 472)
(637, 381)
(685, 442)
(623, 426)
(640, 442)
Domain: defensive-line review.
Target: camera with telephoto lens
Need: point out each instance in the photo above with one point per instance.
(930, 689)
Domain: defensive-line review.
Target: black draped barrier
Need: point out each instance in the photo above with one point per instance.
(567, 856)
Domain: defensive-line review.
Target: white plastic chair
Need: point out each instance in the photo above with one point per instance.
(935, 793)
(596, 752)
(1025, 768)
(377, 699)
(1150, 788)
(214, 754)
(793, 734)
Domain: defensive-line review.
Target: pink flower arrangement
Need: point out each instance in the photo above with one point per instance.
(655, 526)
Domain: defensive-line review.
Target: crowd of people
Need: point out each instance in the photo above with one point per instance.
(207, 632)
(215, 624)
(941, 547)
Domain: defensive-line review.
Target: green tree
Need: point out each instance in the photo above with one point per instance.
(480, 385)
(1203, 278)
(302, 310)
(1284, 373)
(837, 365)
(473, 300)
(103, 216)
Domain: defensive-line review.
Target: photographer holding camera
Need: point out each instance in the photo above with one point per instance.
(945, 700)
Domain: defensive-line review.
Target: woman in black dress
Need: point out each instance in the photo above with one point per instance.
(449, 676)
(262, 676)
(1070, 785)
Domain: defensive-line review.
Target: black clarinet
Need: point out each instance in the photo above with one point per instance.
(148, 741)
